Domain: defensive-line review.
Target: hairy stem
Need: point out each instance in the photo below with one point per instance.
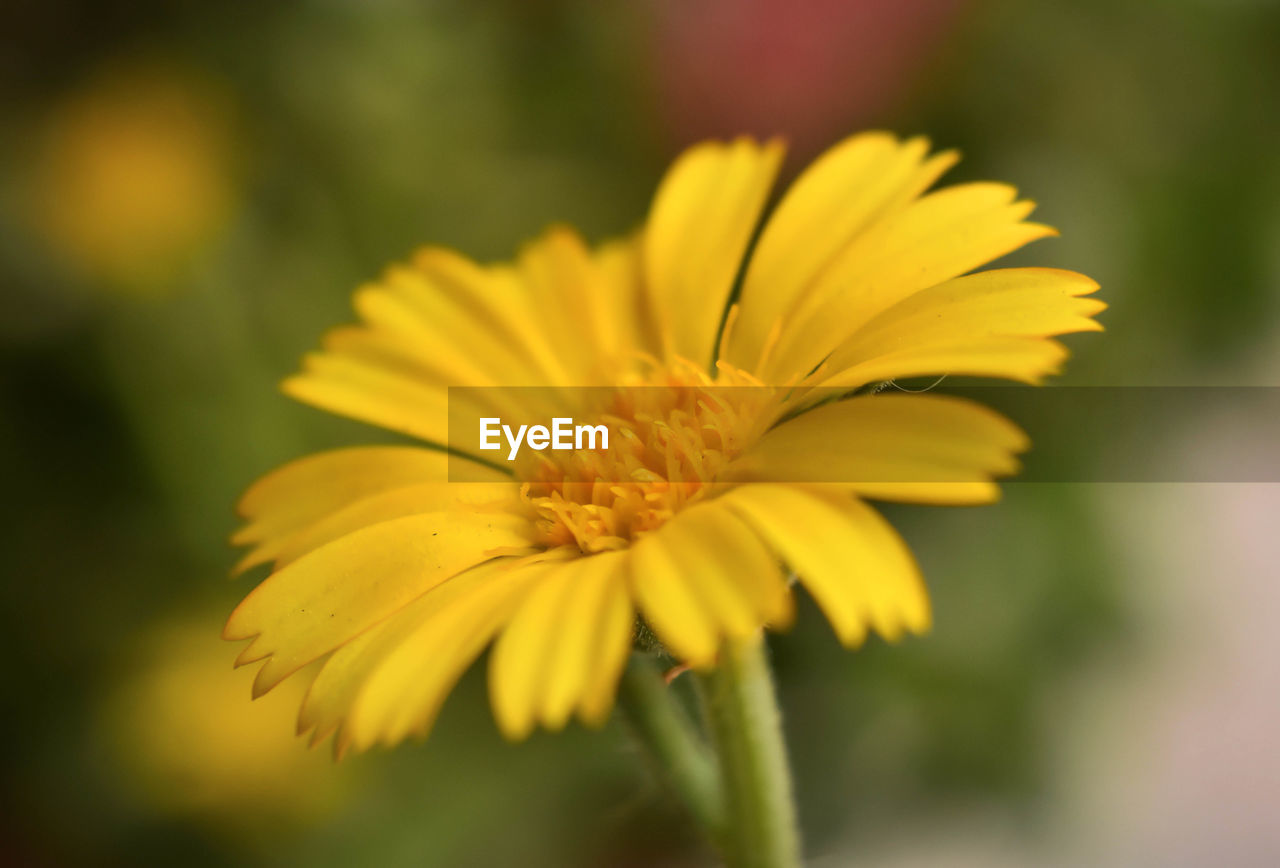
(746, 729)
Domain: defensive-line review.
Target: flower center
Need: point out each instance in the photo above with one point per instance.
(670, 435)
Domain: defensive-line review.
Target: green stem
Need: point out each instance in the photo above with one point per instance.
(679, 752)
(742, 714)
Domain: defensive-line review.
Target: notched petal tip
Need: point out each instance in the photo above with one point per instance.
(268, 677)
(594, 718)
(781, 616)
(294, 386)
(235, 629)
(850, 636)
(943, 161)
(341, 745)
(1087, 309)
(251, 653)
(513, 730)
(775, 148)
(433, 257)
(254, 558)
(923, 623)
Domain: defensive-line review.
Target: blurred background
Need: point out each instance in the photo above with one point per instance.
(190, 191)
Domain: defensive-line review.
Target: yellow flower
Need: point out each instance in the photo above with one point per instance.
(134, 175)
(189, 743)
(403, 579)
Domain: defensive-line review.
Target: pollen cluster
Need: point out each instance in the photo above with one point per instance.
(671, 435)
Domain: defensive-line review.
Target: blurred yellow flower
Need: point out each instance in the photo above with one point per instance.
(133, 176)
(403, 578)
(193, 744)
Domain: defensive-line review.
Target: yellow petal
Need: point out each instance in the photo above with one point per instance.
(362, 390)
(935, 493)
(449, 306)
(629, 315)
(851, 560)
(423, 341)
(936, 238)
(411, 500)
(524, 652)
(670, 605)
(407, 356)
(1026, 360)
(571, 302)
(337, 591)
(1009, 302)
(735, 576)
(442, 321)
(402, 695)
(611, 644)
(833, 201)
(304, 491)
(930, 448)
(503, 307)
(328, 701)
(702, 219)
(704, 576)
(576, 633)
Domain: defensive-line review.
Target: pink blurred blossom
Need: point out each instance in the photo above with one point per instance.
(812, 70)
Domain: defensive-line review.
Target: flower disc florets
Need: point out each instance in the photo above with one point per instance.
(670, 436)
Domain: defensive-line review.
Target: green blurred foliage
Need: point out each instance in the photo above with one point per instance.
(133, 420)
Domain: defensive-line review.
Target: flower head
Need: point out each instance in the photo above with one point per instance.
(730, 468)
